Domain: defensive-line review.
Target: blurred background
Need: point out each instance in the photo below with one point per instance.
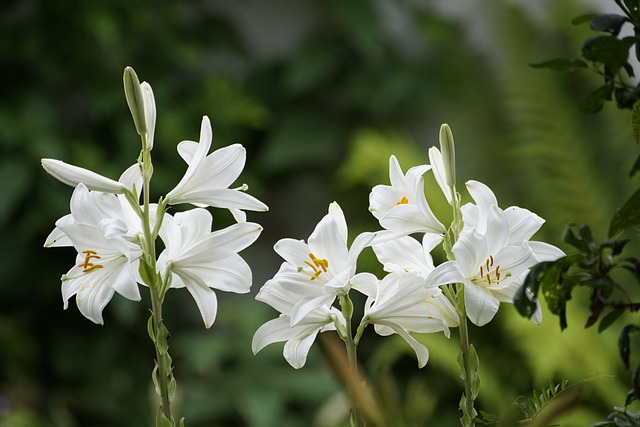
(321, 93)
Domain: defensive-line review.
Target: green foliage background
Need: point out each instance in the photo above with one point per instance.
(320, 93)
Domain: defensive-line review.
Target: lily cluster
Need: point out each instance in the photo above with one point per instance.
(488, 248)
(114, 228)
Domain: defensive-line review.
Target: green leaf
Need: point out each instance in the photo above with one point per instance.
(593, 102)
(550, 278)
(608, 50)
(608, 22)
(610, 319)
(561, 64)
(635, 168)
(628, 216)
(624, 340)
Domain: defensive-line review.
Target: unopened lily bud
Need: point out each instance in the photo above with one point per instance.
(135, 100)
(448, 154)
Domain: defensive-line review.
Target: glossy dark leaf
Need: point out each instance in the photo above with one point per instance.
(550, 279)
(593, 102)
(624, 346)
(610, 319)
(635, 168)
(626, 97)
(632, 264)
(608, 50)
(628, 216)
(561, 64)
(596, 307)
(608, 22)
(634, 393)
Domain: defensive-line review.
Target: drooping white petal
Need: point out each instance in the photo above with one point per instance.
(203, 295)
(523, 224)
(480, 304)
(545, 252)
(57, 236)
(437, 165)
(74, 175)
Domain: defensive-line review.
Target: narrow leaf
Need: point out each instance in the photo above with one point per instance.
(610, 319)
(628, 216)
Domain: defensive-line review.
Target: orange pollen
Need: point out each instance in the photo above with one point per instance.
(488, 275)
(403, 201)
(318, 265)
(87, 265)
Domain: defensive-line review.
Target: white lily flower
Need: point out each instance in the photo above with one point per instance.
(202, 260)
(406, 254)
(402, 206)
(74, 175)
(490, 269)
(402, 304)
(523, 224)
(320, 270)
(107, 257)
(298, 337)
(206, 181)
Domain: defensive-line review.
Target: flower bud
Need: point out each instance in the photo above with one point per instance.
(135, 100)
(448, 154)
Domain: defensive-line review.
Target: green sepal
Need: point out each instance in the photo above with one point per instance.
(147, 273)
(154, 378)
(162, 420)
(150, 330)
(181, 422)
(161, 339)
(173, 385)
(133, 93)
(475, 366)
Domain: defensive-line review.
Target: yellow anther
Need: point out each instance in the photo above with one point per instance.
(318, 265)
(403, 201)
(481, 273)
(491, 259)
(87, 265)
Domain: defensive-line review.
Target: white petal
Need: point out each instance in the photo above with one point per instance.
(296, 349)
(219, 198)
(57, 236)
(523, 224)
(132, 177)
(435, 158)
(306, 306)
(545, 252)
(421, 351)
(446, 273)
(336, 213)
(366, 283)
(275, 330)
(293, 251)
(74, 175)
(203, 295)
(231, 274)
(480, 305)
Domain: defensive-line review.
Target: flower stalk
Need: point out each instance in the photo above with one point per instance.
(357, 418)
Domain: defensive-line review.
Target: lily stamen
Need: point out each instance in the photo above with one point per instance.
(403, 201)
(319, 265)
(87, 265)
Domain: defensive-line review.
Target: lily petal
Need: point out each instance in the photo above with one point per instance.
(74, 175)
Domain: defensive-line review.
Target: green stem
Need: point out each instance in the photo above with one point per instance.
(357, 418)
(468, 366)
(163, 376)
